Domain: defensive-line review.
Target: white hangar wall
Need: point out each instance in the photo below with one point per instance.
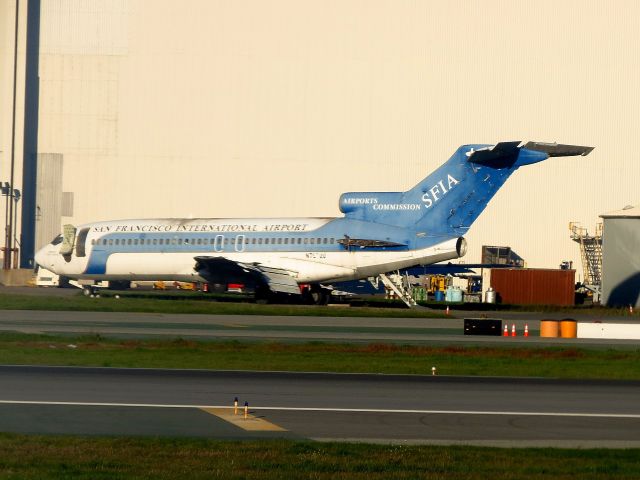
(249, 108)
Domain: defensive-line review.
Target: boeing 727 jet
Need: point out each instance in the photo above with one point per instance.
(379, 232)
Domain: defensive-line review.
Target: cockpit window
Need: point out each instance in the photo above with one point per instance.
(57, 240)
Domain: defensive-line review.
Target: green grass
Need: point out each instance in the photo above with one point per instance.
(559, 362)
(194, 303)
(230, 304)
(37, 457)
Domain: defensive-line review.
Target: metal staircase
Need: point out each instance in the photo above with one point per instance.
(400, 286)
(590, 252)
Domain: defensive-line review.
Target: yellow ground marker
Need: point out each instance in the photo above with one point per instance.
(252, 423)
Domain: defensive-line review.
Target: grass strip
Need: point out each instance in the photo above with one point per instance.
(36, 457)
(555, 362)
(150, 301)
(188, 304)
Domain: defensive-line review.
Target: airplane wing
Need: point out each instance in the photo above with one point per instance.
(222, 269)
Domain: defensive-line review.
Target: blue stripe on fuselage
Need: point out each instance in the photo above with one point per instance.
(198, 243)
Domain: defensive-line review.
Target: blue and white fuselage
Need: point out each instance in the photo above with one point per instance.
(310, 250)
(379, 232)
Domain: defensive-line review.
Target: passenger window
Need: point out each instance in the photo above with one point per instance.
(266, 241)
(331, 240)
(286, 241)
(313, 241)
(279, 241)
(111, 241)
(306, 240)
(135, 241)
(260, 241)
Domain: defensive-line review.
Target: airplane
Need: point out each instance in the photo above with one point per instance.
(379, 232)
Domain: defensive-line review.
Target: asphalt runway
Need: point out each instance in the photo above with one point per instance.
(351, 407)
(287, 328)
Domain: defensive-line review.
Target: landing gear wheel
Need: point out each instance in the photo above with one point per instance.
(262, 295)
(89, 290)
(318, 295)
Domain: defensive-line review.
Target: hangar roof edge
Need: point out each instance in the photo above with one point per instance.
(627, 212)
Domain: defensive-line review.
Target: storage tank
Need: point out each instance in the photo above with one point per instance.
(453, 294)
(490, 296)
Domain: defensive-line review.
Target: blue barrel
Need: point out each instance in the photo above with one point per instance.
(439, 295)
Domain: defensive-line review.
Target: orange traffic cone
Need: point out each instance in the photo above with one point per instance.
(447, 312)
(513, 330)
(526, 330)
(506, 330)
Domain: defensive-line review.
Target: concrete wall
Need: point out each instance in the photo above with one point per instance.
(49, 198)
(251, 108)
(620, 331)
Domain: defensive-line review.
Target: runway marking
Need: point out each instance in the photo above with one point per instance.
(325, 409)
(251, 424)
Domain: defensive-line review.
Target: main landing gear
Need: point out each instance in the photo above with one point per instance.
(316, 295)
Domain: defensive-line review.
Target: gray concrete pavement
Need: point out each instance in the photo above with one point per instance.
(287, 328)
(398, 408)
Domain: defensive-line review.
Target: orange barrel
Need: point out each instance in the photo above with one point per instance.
(549, 328)
(568, 328)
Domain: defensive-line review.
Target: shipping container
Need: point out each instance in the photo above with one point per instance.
(532, 286)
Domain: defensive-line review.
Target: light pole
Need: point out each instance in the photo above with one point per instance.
(6, 258)
(11, 223)
(16, 199)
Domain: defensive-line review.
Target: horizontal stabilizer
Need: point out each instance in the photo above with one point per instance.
(558, 150)
(500, 155)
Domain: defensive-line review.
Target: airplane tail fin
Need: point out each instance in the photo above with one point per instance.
(450, 199)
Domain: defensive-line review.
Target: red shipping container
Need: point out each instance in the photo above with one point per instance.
(533, 286)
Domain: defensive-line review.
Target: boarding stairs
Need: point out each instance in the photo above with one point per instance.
(399, 285)
(590, 253)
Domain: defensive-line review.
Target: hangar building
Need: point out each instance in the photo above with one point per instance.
(621, 258)
(208, 108)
